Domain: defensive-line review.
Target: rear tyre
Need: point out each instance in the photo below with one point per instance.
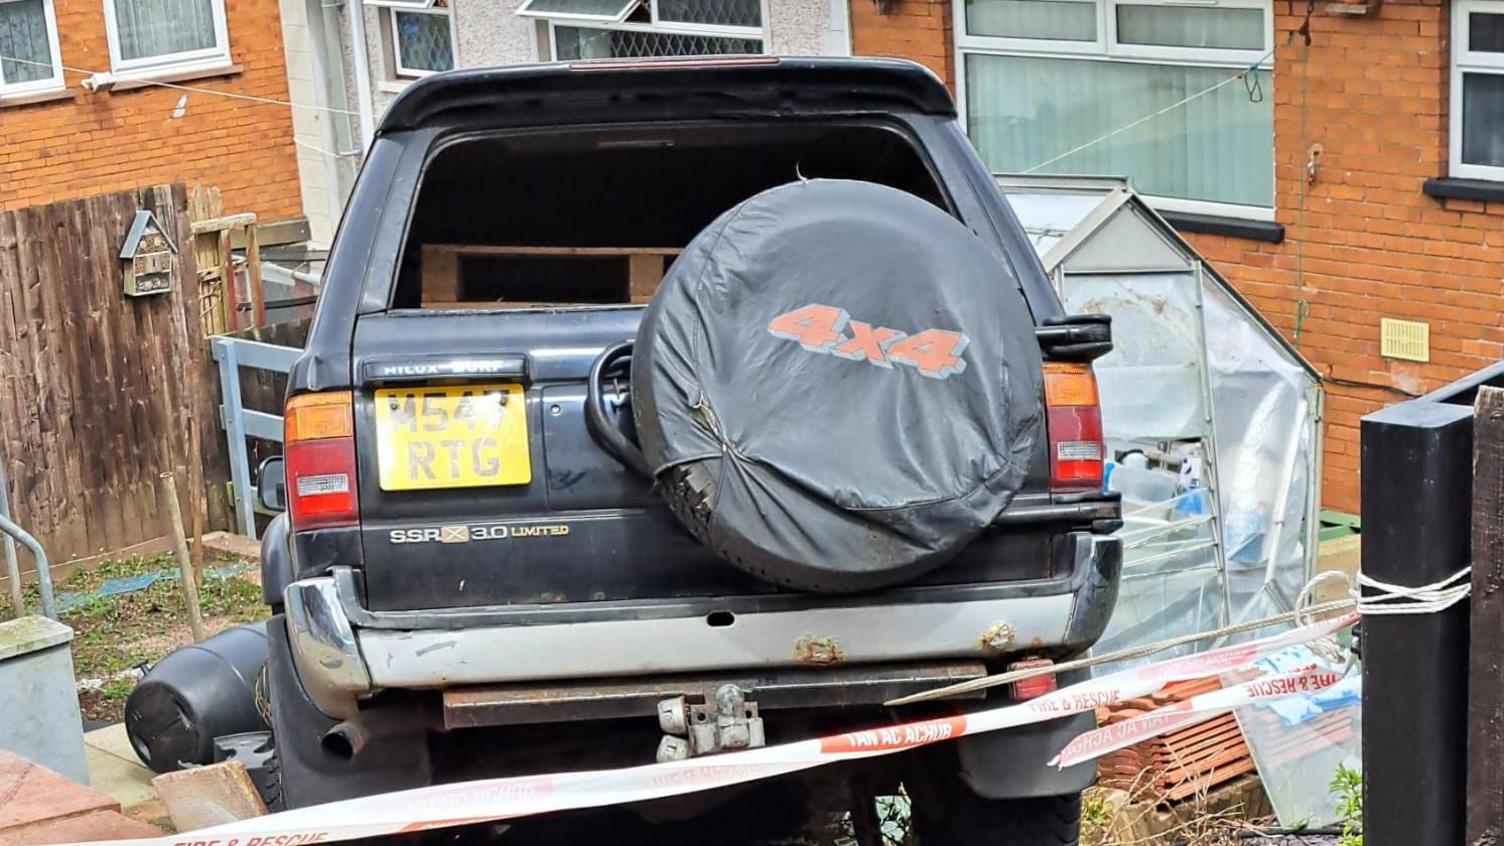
(970, 820)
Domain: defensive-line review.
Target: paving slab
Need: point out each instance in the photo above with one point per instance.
(127, 782)
(112, 739)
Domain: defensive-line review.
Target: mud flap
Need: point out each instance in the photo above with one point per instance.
(1013, 764)
(310, 774)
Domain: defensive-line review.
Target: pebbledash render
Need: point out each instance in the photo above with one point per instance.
(404, 43)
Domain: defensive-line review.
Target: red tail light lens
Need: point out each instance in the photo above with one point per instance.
(1035, 687)
(1074, 417)
(319, 451)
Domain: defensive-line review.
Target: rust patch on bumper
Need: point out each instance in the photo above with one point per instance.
(997, 638)
(817, 650)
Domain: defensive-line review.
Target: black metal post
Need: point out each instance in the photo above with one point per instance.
(1417, 506)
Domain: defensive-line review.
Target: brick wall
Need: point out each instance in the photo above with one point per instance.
(919, 30)
(94, 143)
(1362, 241)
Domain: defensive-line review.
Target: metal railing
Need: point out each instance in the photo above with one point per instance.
(12, 533)
(240, 422)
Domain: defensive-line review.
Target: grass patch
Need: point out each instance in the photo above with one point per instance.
(114, 634)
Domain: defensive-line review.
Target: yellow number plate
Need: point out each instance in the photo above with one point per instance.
(465, 436)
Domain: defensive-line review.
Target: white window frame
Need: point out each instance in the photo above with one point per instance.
(661, 27)
(1106, 48)
(39, 86)
(405, 73)
(209, 57)
(625, 10)
(1464, 61)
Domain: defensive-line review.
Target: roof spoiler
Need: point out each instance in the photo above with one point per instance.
(530, 95)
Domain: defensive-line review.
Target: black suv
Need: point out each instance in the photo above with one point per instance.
(471, 581)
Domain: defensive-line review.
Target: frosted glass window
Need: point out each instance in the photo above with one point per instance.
(1026, 110)
(1051, 20)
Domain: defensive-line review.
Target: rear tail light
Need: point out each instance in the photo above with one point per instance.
(1033, 688)
(319, 450)
(1074, 417)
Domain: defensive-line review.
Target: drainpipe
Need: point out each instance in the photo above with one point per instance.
(362, 72)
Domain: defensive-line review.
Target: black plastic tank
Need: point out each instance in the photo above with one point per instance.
(197, 693)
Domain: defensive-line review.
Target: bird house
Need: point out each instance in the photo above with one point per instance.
(147, 256)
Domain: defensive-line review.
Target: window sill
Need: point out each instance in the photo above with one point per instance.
(35, 97)
(144, 79)
(1236, 227)
(393, 86)
(1454, 188)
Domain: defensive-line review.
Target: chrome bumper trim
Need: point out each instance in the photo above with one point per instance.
(870, 634)
(324, 649)
(340, 658)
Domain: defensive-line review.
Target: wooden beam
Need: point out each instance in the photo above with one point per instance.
(644, 272)
(218, 224)
(253, 275)
(231, 300)
(207, 796)
(441, 274)
(1485, 716)
(276, 233)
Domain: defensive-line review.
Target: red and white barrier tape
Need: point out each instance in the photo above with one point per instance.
(1095, 744)
(520, 796)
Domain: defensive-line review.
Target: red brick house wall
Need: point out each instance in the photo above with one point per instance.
(918, 30)
(86, 143)
(1362, 241)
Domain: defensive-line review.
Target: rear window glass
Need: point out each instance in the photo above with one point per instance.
(597, 217)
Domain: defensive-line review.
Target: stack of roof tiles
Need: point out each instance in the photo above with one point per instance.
(1196, 759)
(1180, 764)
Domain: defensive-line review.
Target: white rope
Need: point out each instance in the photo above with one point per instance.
(1426, 599)
(1390, 600)
(1127, 654)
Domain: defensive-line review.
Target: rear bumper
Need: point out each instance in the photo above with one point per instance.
(343, 651)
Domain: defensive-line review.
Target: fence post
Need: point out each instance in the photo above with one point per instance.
(1417, 502)
(1485, 718)
(234, 424)
(187, 577)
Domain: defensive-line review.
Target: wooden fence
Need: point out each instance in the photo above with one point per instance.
(100, 392)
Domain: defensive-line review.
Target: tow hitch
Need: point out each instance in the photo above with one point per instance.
(705, 728)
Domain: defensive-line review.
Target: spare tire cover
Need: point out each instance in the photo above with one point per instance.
(837, 385)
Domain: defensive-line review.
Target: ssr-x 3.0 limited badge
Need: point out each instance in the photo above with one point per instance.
(477, 532)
